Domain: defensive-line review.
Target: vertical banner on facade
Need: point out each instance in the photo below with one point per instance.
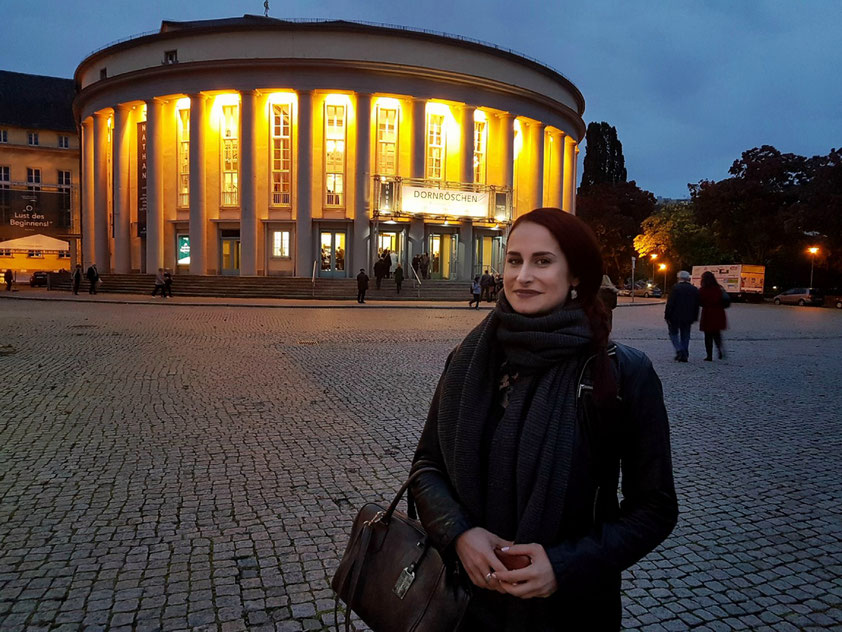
(141, 179)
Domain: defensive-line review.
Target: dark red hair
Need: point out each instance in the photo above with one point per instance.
(584, 259)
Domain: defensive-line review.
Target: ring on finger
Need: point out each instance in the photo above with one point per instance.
(488, 577)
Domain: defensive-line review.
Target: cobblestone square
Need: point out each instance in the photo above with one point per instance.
(177, 468)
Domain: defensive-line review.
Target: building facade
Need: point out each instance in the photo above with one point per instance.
(257, 146)
(39, 174)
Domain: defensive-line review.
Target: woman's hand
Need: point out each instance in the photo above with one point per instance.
(536, 580)
(475, 549)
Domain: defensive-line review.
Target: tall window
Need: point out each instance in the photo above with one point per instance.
(32, 138)
(63, 141)
(230, 154)
(281, 153)
(435, 146)
(183, 158)
(387, 141)
(280, 244)
(334, 154)
(4, 136)
(4, 177)
(480, 144)
(64, 201)
(5, 185)
(33, 179)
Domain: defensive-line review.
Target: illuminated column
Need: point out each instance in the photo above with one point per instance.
(466, 238)
(556, 174)
(122, 210)
(361, 185)
(198, 212)
(248, 184)
(507, 122)
(575, 177)
(468, 144)
(154, 187)
(101, 192)
(304, 214)
(88, 192)
(419, 135)
(538, 167)
(569, 174)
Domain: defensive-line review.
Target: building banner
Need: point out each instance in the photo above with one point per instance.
(24, 213)
(453, 202)
(141, 179)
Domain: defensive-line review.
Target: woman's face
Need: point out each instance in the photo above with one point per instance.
(536, 278)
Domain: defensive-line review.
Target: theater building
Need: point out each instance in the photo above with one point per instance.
(257, 146)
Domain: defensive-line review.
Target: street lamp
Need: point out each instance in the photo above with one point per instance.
(652, 257)
(813, 252)
(663, 268)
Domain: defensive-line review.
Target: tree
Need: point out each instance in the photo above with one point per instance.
(673, 234)
(604, 161)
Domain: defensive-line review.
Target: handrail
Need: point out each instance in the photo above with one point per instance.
(313, 279)
(418, 279)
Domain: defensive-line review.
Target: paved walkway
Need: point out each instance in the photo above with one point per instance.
(198, 467)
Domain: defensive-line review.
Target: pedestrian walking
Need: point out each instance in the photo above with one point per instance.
(424, 264)
(416, 265)
(387, 263)
(77, 278)
(517, 465)
(159, 284)
(681, 312)
(398, 278)
(362, 285)
(476, 292)
(379, 272)
(92, 274)
(713, 321)
(485, 283)
(167, 283)
(8, 277)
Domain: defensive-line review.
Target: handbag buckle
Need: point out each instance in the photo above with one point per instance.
(374, 519)
(405, 580)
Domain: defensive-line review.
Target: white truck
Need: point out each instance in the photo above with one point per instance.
(742, 282)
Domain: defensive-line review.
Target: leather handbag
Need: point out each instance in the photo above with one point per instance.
(393, 578)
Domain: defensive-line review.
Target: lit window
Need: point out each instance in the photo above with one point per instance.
(480, 144)
(32, 138)
(387, 141)
(183, 158)
(4, 177)
(435, 146)
(280, 244)
(5, 194)
(4, 136)
(230, 154)
(334, 154)
(281, 154)
(64, 198)
(64, 142)
(33, 179)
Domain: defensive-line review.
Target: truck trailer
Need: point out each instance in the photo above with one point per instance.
(742, 282)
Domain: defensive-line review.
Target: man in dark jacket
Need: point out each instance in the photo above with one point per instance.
(379, 272)
(486, 282)
(8, 277)
(681, 312)
(93, 277)
(77, 278)
(362, 285)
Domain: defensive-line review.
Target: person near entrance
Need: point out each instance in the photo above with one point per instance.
(379, 272)
(486, 282)
(476, 292)
(416, 265)
(8, 277)
(681, 312)
(424, 264)
(167, 282)
(387, 263)
(398, 277)
(93, 278)
(77, 278)
(160, 284)
(362, 285)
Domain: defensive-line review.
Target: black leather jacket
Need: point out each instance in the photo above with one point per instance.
(599, 537)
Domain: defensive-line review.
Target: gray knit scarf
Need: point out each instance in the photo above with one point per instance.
(531, 446)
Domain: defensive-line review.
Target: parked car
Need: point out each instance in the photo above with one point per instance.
(38, 278)
(833, 297)
(800, 296)
(647, 290)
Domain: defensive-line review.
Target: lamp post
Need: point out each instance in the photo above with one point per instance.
(652, 257)
(813, 252)
(663, 268)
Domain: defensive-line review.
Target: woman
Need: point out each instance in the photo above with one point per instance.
(713, 319)
(476, 292)
(522, 459)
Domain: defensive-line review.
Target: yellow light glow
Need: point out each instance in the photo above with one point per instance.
(183, 103)
(281, 97)
(518, 141)
(441, 109)
(230, 98)
(480, 116)
(653, 256)
(388, 103)
(338, 99)
(662, 267)
(813, 250)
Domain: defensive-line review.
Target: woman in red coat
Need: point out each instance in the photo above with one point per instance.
(713, 314)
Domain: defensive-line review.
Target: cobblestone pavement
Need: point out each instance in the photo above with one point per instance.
(198, 467)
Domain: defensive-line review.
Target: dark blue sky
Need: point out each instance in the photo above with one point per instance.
(689, 84)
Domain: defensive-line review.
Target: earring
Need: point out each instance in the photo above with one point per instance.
(573, 293)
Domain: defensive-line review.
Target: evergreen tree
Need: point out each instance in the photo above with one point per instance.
(604, 162)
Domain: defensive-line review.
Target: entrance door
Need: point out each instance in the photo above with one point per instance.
(332, 254)
(230, 256)
(489, 255)
(393, 242)
(442, 250)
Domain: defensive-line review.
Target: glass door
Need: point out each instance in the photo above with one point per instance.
(489, 255)
(332, 254)
(393, 242)
(443, 255)
(230, 256)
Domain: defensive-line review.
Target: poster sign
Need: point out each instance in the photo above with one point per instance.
(24, 213)
(431, 201)
(141, 179)
(183, 250)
